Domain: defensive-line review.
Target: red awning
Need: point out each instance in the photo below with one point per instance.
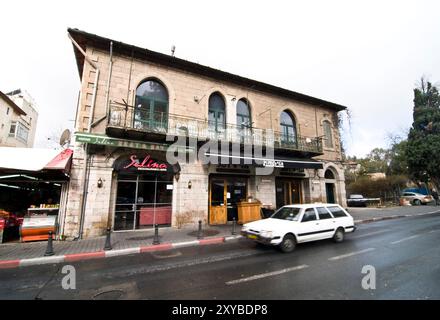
(61, 162)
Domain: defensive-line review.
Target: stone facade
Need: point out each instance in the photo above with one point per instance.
(189, 94)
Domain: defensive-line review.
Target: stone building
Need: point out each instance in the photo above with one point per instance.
(18, 119)
(241, 138)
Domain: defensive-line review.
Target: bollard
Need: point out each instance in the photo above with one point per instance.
(156, 235)
(108, 243)
(233, 226)
(200, 233)
(49, 249)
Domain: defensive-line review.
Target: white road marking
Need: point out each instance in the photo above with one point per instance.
(351, 254)
(405, 239)
(432, 231)
(268, 274)
(370, 234)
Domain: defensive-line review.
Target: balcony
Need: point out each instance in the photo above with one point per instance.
(138, 124)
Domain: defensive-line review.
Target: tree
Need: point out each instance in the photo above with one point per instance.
(423, 146)
(376, 161)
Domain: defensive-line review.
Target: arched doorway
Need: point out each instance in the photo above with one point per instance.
(330, 182)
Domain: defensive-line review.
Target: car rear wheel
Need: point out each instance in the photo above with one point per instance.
(339, 235)
(288, 244)
(417, 202)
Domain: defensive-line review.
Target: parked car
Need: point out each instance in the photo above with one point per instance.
(357, 200)
(417, 198)
(294, 224)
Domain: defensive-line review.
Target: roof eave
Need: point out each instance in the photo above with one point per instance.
(83, 39)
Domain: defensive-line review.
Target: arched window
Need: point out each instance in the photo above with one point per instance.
(216, 114)
(151, 106)
(329, 174)
(243, 113)
(288, 127)
(244, 122)
(328, 140)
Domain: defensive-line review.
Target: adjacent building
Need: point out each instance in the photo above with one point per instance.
(242, 139)
(18, 119)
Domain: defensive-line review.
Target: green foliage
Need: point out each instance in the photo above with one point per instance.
(377, 188)
(423, 146)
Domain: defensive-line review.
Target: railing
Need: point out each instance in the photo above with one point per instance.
(128, 117)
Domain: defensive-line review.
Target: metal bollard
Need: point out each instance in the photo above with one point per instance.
(108, 243)
(156, 235)
(200, 232)
(49, 248)
(233, 226)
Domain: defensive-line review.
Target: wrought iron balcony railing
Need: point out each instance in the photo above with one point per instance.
(142, 120)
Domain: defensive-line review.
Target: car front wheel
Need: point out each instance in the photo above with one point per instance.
(339, 235)
(288, 244)
(417, 202)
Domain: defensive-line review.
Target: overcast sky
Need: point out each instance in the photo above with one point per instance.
(366, 55)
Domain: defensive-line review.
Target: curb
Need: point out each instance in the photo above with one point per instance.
(394, 217)
(9, 264)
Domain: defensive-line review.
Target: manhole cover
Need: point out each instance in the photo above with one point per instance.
(108, 295)
(141, 238)
(205, 233)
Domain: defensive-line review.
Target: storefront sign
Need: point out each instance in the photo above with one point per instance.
(147, 164)
(125, 143)
(273, 164)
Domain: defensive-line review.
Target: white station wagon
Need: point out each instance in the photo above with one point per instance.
(294, 224)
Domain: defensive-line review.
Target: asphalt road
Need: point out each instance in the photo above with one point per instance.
(404, 252)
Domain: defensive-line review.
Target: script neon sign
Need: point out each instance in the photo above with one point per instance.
(146, 164)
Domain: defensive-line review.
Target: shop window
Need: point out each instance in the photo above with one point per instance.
(328, 140)
(151, 106)
(288, 128)
(142, 201)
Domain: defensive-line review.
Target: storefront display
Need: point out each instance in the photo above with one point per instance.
(38, 222)
(144, 192)
(32, 191)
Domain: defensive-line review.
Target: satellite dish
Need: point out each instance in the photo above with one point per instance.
(65, 137)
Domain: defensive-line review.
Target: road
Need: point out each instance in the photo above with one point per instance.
(404, 252)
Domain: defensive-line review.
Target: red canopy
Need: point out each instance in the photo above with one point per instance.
(61, 162)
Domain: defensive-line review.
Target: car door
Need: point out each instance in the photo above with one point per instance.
(309, 227)
(327, 223)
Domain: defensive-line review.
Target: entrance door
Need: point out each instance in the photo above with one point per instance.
(218, 202)
(125, 205)
(225, 193)
(288, 192)
(330, 191)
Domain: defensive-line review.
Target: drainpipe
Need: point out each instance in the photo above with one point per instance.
(86, 145)
(107, 92)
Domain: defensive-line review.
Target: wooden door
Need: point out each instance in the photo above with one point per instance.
(218, 202)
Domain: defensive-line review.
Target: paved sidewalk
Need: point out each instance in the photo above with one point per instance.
(119, 240)
(364, 215)
(123, 243)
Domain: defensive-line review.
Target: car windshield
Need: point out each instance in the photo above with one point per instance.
(287, 213)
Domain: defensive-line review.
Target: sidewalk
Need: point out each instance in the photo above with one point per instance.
(24, 254)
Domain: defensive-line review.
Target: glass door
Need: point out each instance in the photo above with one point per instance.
(288, 192)
(125, 205)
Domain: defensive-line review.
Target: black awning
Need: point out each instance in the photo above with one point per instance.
(275, 162)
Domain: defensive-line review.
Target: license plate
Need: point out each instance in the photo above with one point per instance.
(251, 236)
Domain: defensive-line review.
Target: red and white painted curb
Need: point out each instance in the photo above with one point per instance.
(7, 264)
